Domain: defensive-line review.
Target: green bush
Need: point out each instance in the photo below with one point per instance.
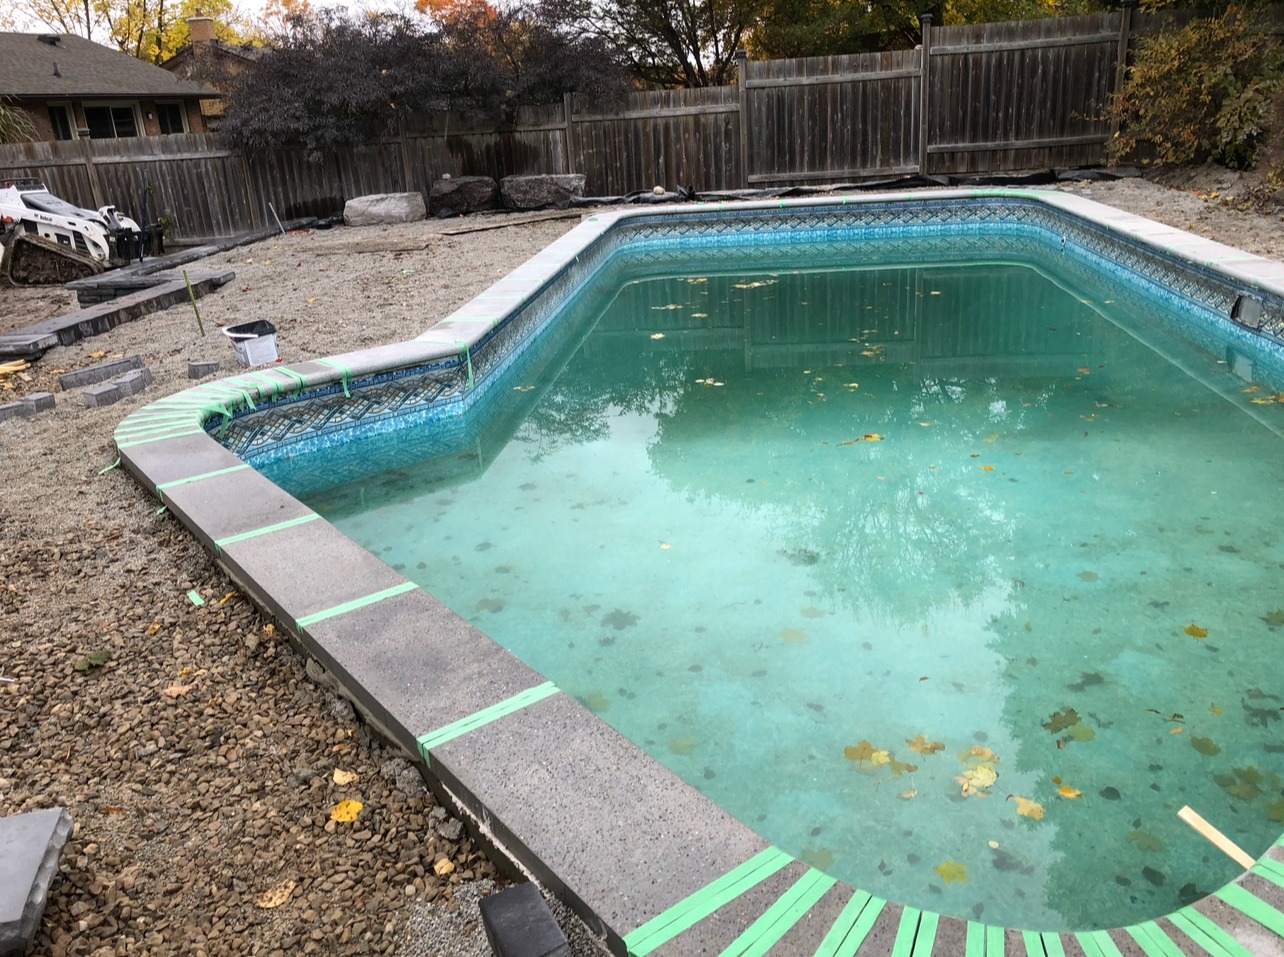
(1202, 92)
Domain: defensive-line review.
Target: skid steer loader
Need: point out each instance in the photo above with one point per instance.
(47, 240)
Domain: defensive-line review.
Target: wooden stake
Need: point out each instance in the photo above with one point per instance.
(1218, 839)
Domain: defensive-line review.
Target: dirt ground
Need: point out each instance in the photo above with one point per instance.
(198, 760)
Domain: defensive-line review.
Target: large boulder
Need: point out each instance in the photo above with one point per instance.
(538, 192)
(380, 208)
(464, 194)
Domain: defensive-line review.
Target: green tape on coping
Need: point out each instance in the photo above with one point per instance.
(764, 933)
(1052, 946)
(477, 719)
(1097, 943)
(160, 489)
(975, 945)
(1151, 938)
(1207, 934)
(995, 941)
(344, 372)
(159, 438)
(1251, 906)
(903, 946)
(1270, 870)
(353, 605)
(852, 926)
(691, 910)
(222, 543)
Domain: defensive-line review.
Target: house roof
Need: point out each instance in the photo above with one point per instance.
(65, 65)
(246, 52)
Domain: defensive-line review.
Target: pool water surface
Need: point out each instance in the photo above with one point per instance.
(951, 579)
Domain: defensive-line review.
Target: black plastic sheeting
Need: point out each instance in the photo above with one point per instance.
(686, 194)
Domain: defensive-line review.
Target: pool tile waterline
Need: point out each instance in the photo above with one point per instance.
(440, 375)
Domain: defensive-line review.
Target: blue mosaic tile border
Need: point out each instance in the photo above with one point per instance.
(436, 396)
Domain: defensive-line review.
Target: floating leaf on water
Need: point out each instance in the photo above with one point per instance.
(1155, 877)
(620, 619)
(1145, 841)
(276, 896)
(1176, 731)
(665, 546)
(880, 758)
(1089, 576)
(1027, 808)
(492, 605)
(921, 745)
(596, 701)
(1205, 746)
(812, 613)
(859, 752)
(980, 754)
(900, 767)
(793, 635)
(1069, 793)
(1061, 720)
(1274, 619)
(682, 744)
(344, 778)
(1110, 794)
(1195, 631)
(1275, 811)
(821, 858)
(1082, 733)
(952, 872)
(1213, 709)
(987, 468)
(345, 812)
(913, 793)
(977, 780)
(657, 335)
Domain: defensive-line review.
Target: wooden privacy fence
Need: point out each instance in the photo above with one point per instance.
(972, 99)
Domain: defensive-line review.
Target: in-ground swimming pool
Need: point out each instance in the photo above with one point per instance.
(983, 597)
(918, 555)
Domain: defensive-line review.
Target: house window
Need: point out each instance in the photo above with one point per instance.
(60, 121)
(170, 116)
(111, 122)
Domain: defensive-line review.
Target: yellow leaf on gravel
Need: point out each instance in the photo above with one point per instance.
(443, 867)
(344, 778)
(176, 691)
(153, 628)
(1028, 808)
(345, 812)
(276, 896)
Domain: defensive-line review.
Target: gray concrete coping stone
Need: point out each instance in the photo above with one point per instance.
(169, 460)
(26, 345)
(30, 845)
(231, 503)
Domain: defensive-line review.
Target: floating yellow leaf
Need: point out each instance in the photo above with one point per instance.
(344, 778)
(979, 753)
(682, 744)
(793, 636)
(345, 812)
(860, 751)
(1176, 731)
(176, 691)
(276, 896)
(880, 758)
(987, 468)
(1028, 808)
(952, 872)
(1213, 709)
(812, 613)
(1082, 733)
(1069, 793)
(443, 867)
(1195, 631)
(907, 795)
(821, 858)
(900, 767)
(921, 745)
(975, 781)
(665, 546)
(657, 335)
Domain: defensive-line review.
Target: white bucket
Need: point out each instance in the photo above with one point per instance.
(253, 342)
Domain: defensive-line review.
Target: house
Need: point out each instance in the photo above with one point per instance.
(207, 59)
(72, 88)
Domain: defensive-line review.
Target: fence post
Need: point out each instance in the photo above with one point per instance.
(95, 185)
(1121, 65)
(407, 167)
(925, 98)
(568, 108)
(742, 60)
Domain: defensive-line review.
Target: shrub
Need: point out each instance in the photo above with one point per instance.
(1202, 92)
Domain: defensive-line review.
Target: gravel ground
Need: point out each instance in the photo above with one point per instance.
(196, 757)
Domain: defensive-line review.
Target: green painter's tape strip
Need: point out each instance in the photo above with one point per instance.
(906, 932)
(1033, 943)
(1253, 907)
(975, 940)
(1052, 944)
(1097, 943)
(1207, 934)
(353, 605)
(198, 478)
(764, 933)
(664, 927)
(852, 926)
(152, 422)
(265, 530)
(159, 438)
(1270, 870)
(925, 939)
(344, 374)
(1151, 938)
(435, 739)
(995, 941)
(195, 598)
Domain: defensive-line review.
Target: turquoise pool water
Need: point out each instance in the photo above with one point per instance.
(956, 580)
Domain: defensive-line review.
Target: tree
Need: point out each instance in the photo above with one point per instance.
(15, 124)
(801, 28)
(672, 43)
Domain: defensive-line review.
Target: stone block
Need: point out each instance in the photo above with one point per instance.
(132, 383)
(463, 194)
(39, 401)
(99, 373)
(202, 368)
(519, 924)
(30, 845)
(380, 208)
(105, 393)
(16, 410)
(538, 192)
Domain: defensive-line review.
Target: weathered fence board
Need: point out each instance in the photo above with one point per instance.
(970, 99)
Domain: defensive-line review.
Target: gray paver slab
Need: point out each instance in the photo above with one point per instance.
(632, 845)
(99, 373)
(416, 665)
(519, 923)
(106, 393)
(156, 463)
(232, 503)
(16, 410)
(40, 401)
(30, 845)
